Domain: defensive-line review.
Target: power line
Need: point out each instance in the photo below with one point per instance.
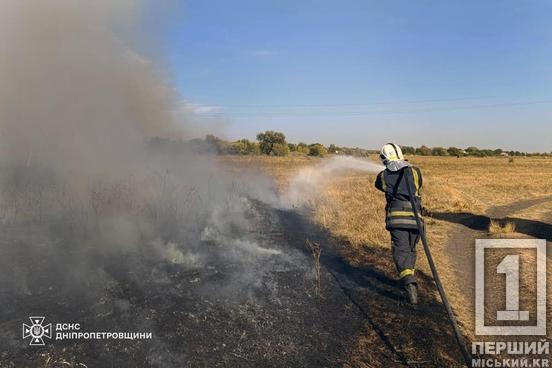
(372, 112)
(359, 104)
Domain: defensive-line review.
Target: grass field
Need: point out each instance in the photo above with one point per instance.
(456, 192)
(351, 207)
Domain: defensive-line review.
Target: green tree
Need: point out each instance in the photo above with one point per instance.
(236, 148)
(408, 150)
(472, 151)
(317, 149)
(252, 147)
(302, 148)
(280, 149)
(423, 151)
(244, 147)
(268, 139)
(454, 151)
(438, 151)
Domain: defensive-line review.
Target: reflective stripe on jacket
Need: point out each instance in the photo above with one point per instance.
(399, 215)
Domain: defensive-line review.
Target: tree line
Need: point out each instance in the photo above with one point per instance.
(273, 143)
(458, 152)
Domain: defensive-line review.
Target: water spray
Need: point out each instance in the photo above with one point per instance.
(309, 181)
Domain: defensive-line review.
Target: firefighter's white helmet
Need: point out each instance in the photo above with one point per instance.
(391, 152)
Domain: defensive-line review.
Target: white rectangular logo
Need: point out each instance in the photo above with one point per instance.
(510, 319)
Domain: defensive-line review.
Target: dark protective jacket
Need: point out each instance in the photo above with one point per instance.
(399, 213)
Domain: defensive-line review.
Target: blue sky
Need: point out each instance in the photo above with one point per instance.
(361, 73)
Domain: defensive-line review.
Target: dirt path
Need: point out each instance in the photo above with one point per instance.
(466, 227)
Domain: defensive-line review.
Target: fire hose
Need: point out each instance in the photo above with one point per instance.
(421, 230)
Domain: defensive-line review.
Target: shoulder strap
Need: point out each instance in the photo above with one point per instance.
(413, 187)
(396, 186)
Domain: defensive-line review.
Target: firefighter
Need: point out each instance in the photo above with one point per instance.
(400, 220)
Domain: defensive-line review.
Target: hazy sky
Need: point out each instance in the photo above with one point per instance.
(361, 73)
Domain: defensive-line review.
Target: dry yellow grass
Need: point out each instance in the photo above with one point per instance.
(281, 169)
(353, 209)
(501, 229)
(475, 184)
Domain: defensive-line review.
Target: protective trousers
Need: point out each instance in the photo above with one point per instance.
(404, 253)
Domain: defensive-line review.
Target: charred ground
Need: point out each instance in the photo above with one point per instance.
(199, 318)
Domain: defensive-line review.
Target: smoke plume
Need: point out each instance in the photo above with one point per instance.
(77, 110)
(74, 98)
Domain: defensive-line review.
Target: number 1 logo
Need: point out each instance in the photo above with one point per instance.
(509, 266)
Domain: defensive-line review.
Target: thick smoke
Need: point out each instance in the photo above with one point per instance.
(79, 182)
(77, 110)
(74, 98)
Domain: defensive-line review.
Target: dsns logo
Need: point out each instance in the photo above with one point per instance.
(37, 331)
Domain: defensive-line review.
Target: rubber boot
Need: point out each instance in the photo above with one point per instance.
(412, 292)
